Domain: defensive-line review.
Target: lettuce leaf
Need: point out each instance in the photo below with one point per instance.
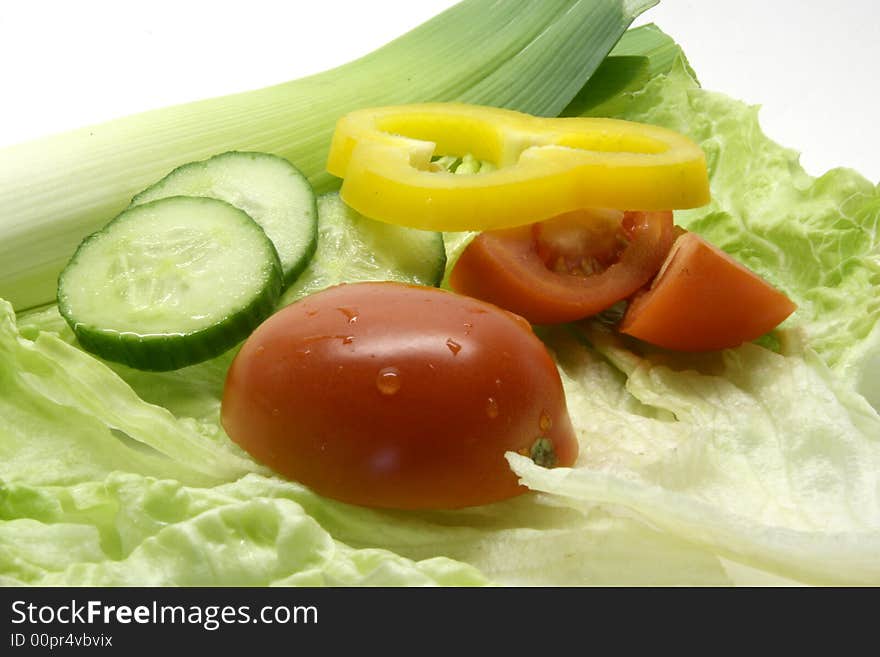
(757, 465)
(130, 530)
(761, 458)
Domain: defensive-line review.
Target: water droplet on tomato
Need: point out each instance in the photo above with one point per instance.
(311, 313)
(492, 408)
(454, 347)
(388, 381)
(350, 314)
(276, 411)
(259, 350)
(544, 422)
(348, 339)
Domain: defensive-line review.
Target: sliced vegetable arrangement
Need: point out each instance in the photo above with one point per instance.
(755, 464)
(329, 390)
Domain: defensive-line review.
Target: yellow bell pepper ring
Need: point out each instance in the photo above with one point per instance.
(542, 167)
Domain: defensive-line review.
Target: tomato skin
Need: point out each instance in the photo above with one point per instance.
(391, 395)
(704, 300)
(508, 268)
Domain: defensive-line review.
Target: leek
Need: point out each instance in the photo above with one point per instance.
(656, 46)
(525, 55)
(641, 54)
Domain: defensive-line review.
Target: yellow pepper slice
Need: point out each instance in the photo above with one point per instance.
(545, 167)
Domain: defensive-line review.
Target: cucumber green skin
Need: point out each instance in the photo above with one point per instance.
(291, 274)
(161, 353)
(164, 352)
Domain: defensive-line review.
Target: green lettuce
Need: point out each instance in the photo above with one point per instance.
(131, 530)
(756, 465)
(760, 458)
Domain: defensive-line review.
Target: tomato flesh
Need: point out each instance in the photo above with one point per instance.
(548, 274)
(390, 395)
(703, 300)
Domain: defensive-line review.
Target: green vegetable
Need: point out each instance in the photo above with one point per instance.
(352, 248)
(268, 188)
(253, 532)
(66, 418)
(755, 457)
(530, 56)
(169, 283)
(641, 54)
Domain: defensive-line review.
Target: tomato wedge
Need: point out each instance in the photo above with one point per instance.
(703, 300)
(567, 268)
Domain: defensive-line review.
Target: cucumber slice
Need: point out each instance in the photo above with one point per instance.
(269, 188)
(170, 283)
(353, 248)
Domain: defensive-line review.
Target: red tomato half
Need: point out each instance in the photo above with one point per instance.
(392, 395)
(702, 300)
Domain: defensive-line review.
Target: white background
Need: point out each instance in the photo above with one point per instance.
(811, 64)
